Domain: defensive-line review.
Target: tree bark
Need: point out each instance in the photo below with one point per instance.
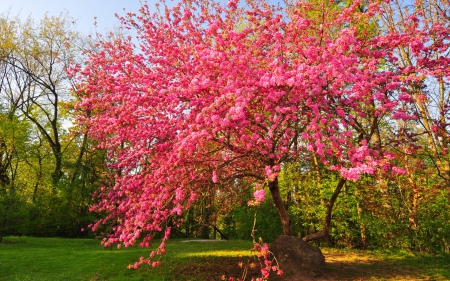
(326, 229)
(362, 225)
(285, 219)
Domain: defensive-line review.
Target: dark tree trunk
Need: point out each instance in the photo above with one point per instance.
(206, 215)
(79, 161)
(326, 229)
(285, 219)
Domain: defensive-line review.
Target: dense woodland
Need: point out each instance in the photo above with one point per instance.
(50, 168)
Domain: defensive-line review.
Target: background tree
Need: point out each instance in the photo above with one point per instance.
(41, 54)
(13, 144)
(423, 57)
(425, 61)
(36, 92)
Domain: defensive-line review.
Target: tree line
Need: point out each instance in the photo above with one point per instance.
(47, 173)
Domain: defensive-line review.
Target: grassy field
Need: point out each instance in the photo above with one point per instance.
(39, 259)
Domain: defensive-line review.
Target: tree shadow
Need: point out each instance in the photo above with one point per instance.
(366, 267)
(216, 268)
(339, 266)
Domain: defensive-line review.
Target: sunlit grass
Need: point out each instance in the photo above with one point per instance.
(222, 253)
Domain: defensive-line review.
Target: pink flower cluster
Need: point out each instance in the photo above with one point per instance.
(269, 261)
(258, 197)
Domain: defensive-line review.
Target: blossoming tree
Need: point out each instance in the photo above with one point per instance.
(425, 62)
(213, 94)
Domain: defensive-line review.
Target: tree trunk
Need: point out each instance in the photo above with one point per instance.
(207, 212)
(285, 220)
(79, 161)
(326, 229)
(362, 225)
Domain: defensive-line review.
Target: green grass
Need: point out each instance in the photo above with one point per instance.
(39, 259)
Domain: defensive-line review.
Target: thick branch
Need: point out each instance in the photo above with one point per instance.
(326, 229)
(285, 220)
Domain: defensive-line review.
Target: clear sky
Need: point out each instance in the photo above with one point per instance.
(83, 11)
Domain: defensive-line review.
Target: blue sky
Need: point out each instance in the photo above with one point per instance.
(83, 11)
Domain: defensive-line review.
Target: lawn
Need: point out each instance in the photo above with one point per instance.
(39, 259)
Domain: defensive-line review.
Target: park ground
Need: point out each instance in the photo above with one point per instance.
(39, 259)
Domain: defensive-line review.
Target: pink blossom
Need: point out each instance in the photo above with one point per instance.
(350, 174)
(214, 177)
(389, 155)
(259, 195)
(404, 97)
(398, 171)
(265, 272)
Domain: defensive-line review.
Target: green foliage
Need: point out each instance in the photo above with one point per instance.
(50, 173)
(305, 197)
(434, 228)
(241, 219)
(13, 144)
(346, 232)
(368, 213)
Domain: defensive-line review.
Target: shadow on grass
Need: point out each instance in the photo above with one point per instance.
(362, 266)
(17, 240)
(216, 268)
(340, 265)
